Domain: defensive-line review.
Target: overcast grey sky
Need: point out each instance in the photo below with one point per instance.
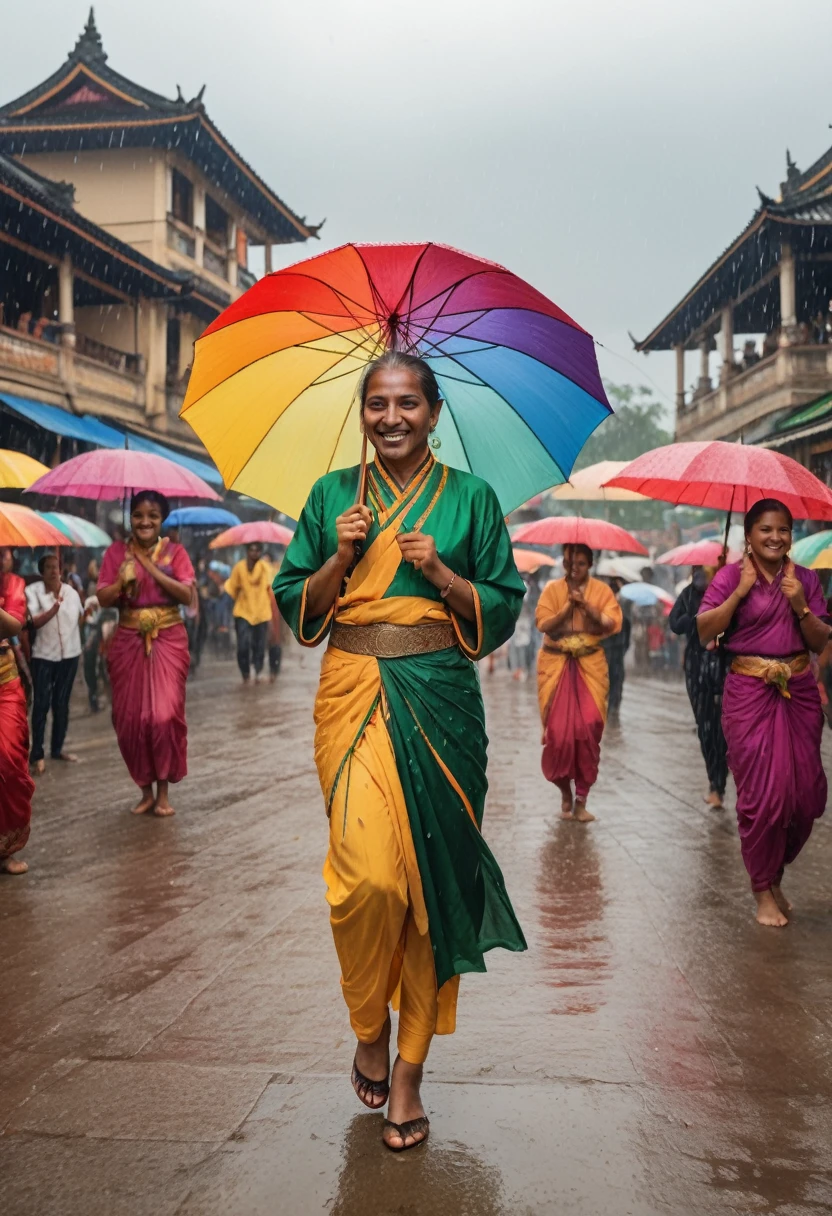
(605, 151)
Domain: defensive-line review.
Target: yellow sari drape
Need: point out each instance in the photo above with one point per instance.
(593, 664)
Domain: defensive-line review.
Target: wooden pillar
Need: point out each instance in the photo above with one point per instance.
(66, 304)
(680, 377)
(232, 253)
(199, 225)
(268, 257)
(727, 331)
(788, 295)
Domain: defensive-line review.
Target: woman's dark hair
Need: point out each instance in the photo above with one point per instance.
(760, 508)
(569, 551)
(152, 496)
(412, 363)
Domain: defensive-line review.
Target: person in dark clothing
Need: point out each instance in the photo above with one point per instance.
(616, 648)
(704, 678)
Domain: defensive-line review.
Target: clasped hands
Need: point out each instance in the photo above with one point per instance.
(417, 548)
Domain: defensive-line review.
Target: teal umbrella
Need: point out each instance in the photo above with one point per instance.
(805, 551)
(81, 532)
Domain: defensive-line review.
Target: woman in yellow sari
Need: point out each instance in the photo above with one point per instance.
(575, 613)
(416, 897)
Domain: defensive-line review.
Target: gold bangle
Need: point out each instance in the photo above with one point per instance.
(444, 594)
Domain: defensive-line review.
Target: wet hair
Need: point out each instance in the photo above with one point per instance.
(569, 552)
(753, 514)
(151, 496)
(412, 363)
(47, 557)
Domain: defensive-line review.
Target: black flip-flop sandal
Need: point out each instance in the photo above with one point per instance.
(363, 1087)
(411, 1128)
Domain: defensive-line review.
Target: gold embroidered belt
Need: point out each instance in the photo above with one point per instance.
(387, 641)
(148, 621)
(573, 648)
(772, 671)
(8, 667)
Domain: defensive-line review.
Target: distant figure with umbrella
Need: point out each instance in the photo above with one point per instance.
(16, 785)
(249, 586)
(704, 680)
(575, 613)
(148, 579)
(772, 614)
(410, 587)
(615, 647)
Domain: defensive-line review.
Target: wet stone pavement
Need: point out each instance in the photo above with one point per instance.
(173, 1040)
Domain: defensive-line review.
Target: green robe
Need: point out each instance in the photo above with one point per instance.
(434, 701)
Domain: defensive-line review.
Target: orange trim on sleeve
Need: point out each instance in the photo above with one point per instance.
(304, 641)
(469, 651)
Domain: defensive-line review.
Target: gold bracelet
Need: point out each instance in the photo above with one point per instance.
(444, 594)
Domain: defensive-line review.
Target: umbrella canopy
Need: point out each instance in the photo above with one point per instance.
(587, 485)
(111, 474)
(262, 530)
(727, 477)
(23, 528)
(529, 562)
(573, 530)
(273, 393)
(80, 531)
(645, 594)
(18, 471)
(697, 553)
(201, 517)
(627, 568)
(813, 551)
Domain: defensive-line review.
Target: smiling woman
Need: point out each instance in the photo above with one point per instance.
(770, 613)
(410, 589)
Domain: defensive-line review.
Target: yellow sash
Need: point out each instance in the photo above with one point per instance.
(771, 671)
(148, 621)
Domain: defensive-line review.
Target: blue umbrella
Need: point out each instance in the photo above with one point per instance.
(201, 517)
(645, 594)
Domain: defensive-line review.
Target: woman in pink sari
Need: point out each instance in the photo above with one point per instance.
(16, 785)
(148, 661)
(772, 614)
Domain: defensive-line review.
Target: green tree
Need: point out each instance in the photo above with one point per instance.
(637, 425)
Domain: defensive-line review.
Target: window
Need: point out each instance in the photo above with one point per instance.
(216, 223)
(183, 199)
(174, 342)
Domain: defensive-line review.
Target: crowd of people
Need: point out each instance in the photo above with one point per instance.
(411, 587)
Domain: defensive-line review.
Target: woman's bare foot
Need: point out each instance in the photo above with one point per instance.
(39, 767)
(373, 1061)
(13, 865)
(769, 911)
(405, 1104)
(781, 901)
(713, 799)
(581, 813)
(163, 807)
(565, 801)
(67, 757)
(146, 801)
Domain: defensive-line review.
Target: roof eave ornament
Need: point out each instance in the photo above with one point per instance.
(765, 199)
(89, 47)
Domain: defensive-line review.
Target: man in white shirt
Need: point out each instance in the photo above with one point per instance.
(56, 612)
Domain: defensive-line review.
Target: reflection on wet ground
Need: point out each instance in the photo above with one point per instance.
(174, 1041)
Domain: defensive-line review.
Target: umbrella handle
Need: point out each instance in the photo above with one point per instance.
(362, 476)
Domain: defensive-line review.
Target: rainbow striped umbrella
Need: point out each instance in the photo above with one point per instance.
(273, 393)
(80, 531)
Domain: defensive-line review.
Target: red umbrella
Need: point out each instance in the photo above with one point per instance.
(696, 553)
(111, 474)
(727, 477)
(529, 562)
(262, 530)
(575, 530)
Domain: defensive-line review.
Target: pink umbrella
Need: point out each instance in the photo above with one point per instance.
(727, 476)
(696, 553)
(112, 474)
(262, 530)
(576, 530)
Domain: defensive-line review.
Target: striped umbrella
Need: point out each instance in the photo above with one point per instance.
(23, 528)
(80, 531)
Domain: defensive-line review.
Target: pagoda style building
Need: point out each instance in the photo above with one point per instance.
(766, 303)
(139, 172)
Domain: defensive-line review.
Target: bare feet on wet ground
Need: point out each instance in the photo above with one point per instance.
(772, 907)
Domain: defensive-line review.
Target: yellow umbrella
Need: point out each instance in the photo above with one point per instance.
(823, 561)
(18, 471)
(588, 485)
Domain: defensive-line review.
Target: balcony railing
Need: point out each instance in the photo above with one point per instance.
(180, 239)
(118, 360)
(213, 262)
(245, 278)
(792, 376)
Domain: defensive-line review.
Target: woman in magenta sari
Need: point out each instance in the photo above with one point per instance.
(772, 614)
(16, 785)
(148, 661)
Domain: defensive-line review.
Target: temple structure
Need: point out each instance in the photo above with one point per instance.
(766, 304)
(126, 220)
